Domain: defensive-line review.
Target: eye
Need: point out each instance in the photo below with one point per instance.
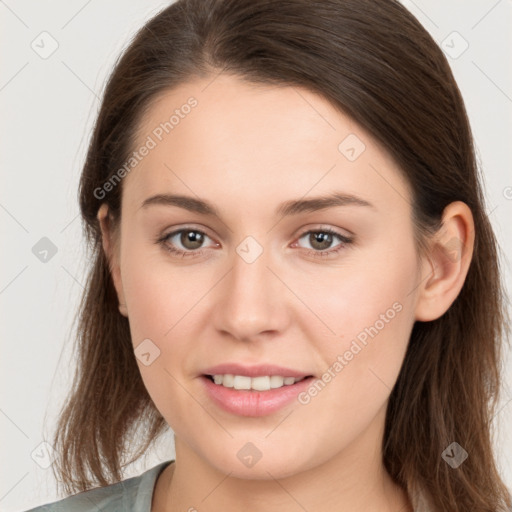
(322, 239)
(190, 239)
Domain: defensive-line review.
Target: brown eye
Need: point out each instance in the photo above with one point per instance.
(321, 245)
(191, 239)
(184, 242)
(320, 240)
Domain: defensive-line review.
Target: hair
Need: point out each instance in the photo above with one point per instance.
(376, 63)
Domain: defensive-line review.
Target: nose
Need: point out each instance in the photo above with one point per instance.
(251, 301)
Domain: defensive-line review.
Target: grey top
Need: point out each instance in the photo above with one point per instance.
(131, 495)
(135, 495)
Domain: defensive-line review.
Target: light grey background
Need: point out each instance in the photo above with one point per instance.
(48, 106)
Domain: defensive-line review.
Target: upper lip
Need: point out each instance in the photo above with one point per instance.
(254, 370)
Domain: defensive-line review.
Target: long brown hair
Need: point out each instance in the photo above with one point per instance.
(375, 62)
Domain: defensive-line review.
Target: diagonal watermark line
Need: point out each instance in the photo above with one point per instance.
(287, 492)
(280, 423)
(76, 14)
(14, 76)
(492, 211)
(485, 15)
(14, 423)
(69, 223)
(379, 378)
(14, 14)
(13, 279)
(301, 300)
(73, 277)
(422, 280)
(314, 108)
(13, 217)
(424, 13)
(217, 486)
(404, 198)
(80, 80)
(165, 165)
(13, 486)
(214, 78)
(198, 302)
(307, 192)
(501, 408)
(492, 81)
(94, 504)
(198, 402)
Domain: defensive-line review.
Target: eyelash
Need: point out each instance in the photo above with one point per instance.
(310, 252)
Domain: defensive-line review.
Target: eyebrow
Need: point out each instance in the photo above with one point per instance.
(293, 207)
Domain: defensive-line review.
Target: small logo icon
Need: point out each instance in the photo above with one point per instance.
(45, 45)
(44, 250)
(43, 455)
(249, 249)
(454, 249)
(146, 352)
(249, 455)
(351, 147)
(454, 455)
(454, 45)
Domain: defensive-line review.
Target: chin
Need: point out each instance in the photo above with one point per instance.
(259, 467)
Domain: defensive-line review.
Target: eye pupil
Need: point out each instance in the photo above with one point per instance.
(321, 237)
(191, 237)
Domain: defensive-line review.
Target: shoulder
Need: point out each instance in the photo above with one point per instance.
(132, 494)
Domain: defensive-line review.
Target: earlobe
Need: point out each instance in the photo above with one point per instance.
(446, 266)
(110, 250)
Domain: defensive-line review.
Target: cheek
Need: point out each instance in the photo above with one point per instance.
(368, 296)
(156, 293)
(164, 302)
(370, 308)
(362, 363)
(158, 301)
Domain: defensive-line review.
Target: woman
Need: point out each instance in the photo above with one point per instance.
(293, 270)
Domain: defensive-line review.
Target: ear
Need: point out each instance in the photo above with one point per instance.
(445, 267)
(111, 248)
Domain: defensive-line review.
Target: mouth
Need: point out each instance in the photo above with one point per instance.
(245, 389)
(261, 395)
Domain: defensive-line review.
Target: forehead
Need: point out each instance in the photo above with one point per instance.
(231, 140)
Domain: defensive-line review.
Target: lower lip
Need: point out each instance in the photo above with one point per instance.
(245, 402)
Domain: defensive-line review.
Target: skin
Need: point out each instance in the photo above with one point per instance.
(246, 149)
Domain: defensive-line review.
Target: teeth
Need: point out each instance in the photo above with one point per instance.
(263, 383)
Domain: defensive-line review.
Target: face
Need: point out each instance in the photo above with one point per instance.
(327, 293)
